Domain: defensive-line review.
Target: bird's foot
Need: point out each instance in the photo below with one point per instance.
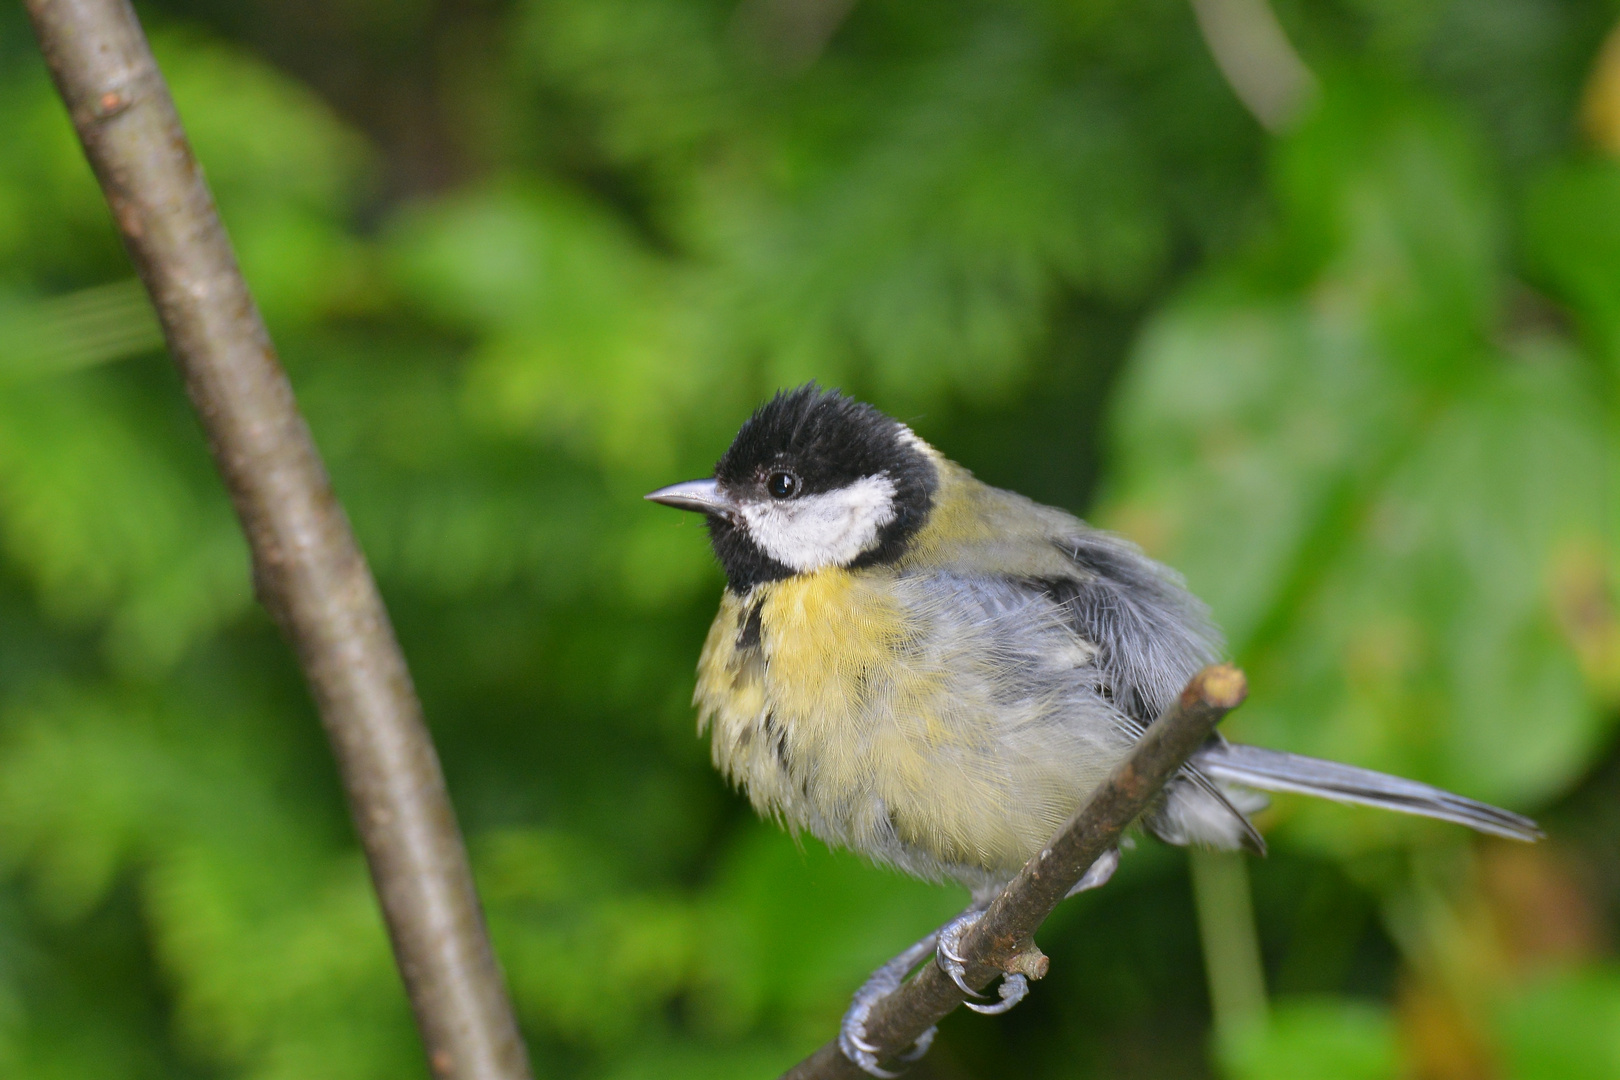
(1098, 873)
(885, 980)
(1014, 986)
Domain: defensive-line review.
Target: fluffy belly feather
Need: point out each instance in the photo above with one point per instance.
(877, 713)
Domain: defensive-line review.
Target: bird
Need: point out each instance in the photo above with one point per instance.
(936, 673)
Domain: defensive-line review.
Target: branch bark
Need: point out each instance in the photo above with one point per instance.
(308, 569)
(1003, 940)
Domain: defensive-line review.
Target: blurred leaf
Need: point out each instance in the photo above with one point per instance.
(1565, 1028)
(1573, 237)
(561, 925)
(1315, 1039)
(261, 135)
(1375, 507)
(795, 928)
(685, 1061)
(285, 171)
(586, 340)
(102, 518)
(526, 262)
(88, 327)
(273, 940)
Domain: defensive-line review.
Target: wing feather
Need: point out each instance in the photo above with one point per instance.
(1150, 633)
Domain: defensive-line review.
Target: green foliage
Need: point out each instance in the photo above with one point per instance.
(1566, 1027)
(1573, 244)
(1332, 1039)
(525, 262)
(1378, 480)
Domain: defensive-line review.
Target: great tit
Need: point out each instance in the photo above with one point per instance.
(936, 673)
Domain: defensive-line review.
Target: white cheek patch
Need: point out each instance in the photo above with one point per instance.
(829, 529)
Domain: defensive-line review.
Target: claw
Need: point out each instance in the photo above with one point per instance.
(956, 971)
(867, 1063)
(948, 953)
(920, 1047)
(852, 1039)
(1013, 990)
(885, 980)
(947, 949)
(1097, 875)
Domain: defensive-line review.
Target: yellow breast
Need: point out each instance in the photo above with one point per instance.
(796, 695)
(843, 708)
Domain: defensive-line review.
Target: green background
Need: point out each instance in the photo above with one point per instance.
(528, 259)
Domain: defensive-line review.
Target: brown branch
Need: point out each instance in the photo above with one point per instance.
(307, 568)
(1003, 940)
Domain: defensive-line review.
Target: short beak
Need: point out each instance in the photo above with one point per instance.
(704, 496)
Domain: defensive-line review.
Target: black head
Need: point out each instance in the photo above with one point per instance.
(813, 479)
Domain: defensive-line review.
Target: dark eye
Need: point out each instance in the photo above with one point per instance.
(782, 484)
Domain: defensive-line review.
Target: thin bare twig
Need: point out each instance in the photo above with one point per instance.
(1259, 62)
(308, 569)
(1002, 941)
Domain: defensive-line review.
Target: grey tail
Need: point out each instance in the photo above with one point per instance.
(1274, 770)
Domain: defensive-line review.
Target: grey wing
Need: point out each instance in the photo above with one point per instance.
(1152, 636)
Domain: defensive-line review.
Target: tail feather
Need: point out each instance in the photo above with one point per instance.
(1274, 770)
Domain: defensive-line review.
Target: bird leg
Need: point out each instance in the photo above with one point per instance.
(884, 981)
(946, 945)
(951, 961)
(1014, 985)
